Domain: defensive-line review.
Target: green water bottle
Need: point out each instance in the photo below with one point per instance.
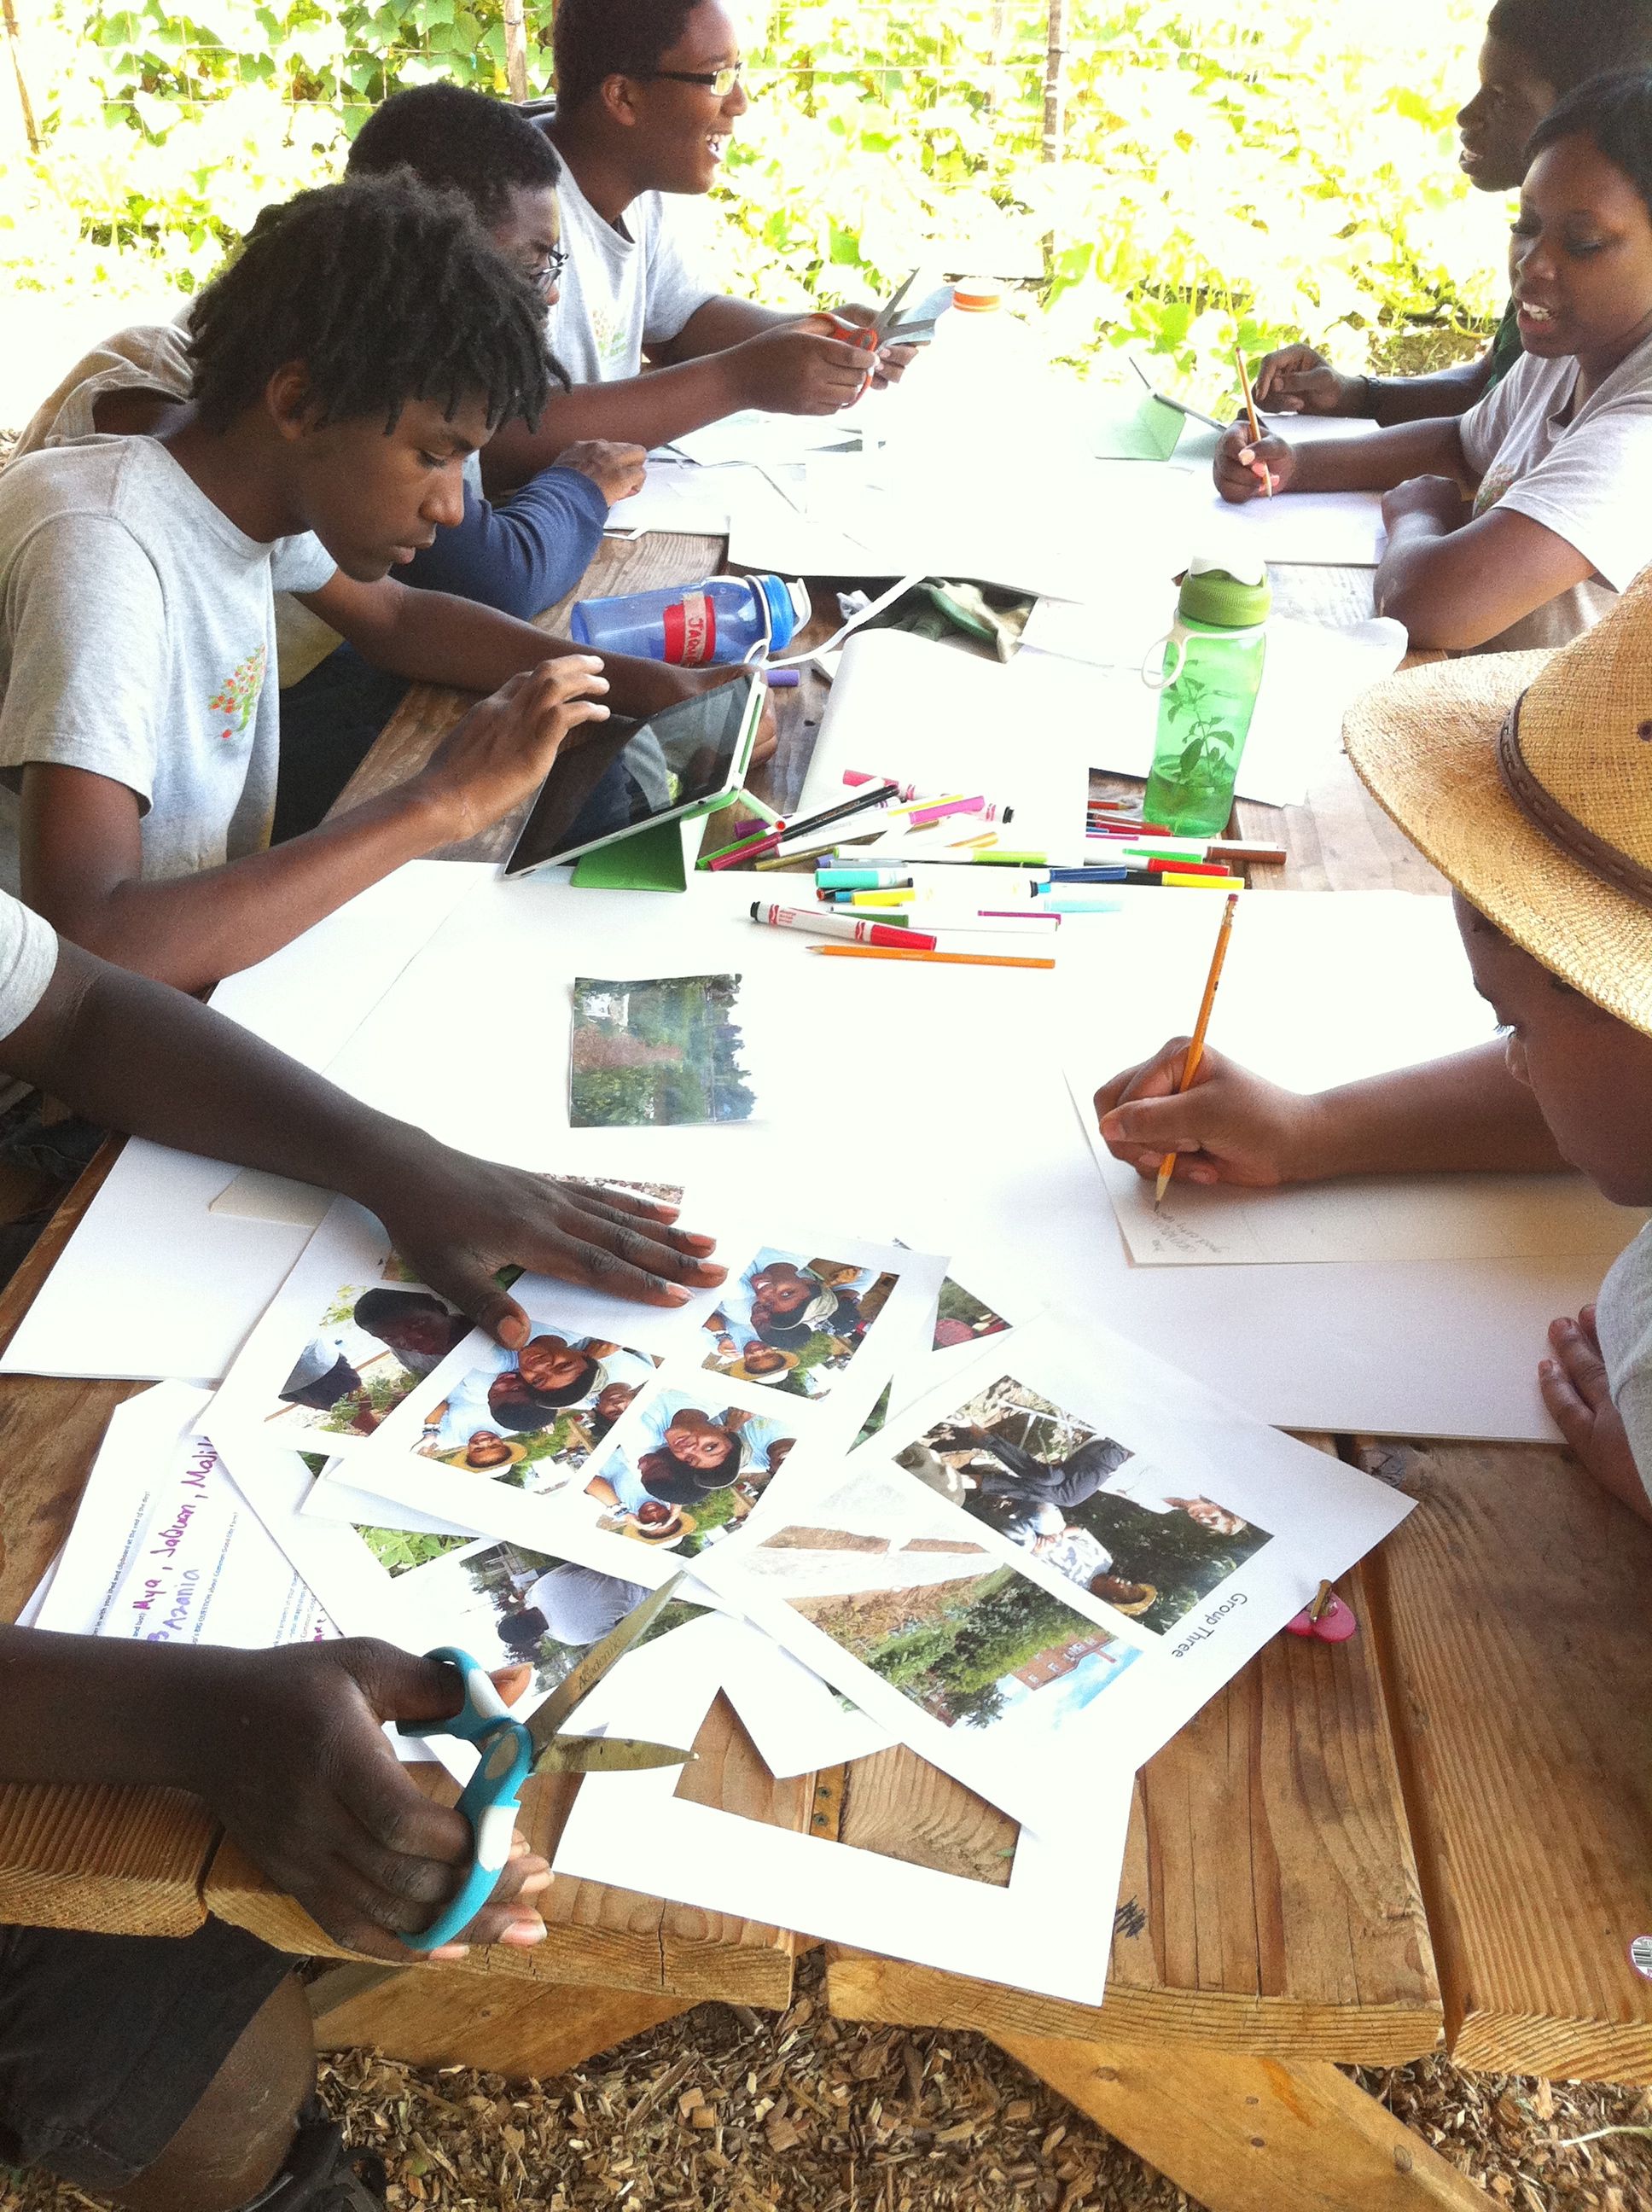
(1207, 679)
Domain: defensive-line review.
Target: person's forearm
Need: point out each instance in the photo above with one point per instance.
(81, 1709)
(645, 410)
(1379, 462)
(112, 1045)
(1460, 1115)
(191, 931)
(1416, 398)
(717, 325)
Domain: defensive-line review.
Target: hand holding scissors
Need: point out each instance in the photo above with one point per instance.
(511, 1750)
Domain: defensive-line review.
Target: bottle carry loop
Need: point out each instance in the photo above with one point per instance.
(1177, 636)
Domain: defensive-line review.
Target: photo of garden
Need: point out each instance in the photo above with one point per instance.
(658, 1053)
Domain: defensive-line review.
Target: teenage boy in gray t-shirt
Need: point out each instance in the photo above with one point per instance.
(338, 392)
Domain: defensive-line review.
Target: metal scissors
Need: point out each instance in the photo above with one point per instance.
(511, 1750)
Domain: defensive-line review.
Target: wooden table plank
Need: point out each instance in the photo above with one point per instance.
(1270, 1900)
(1509, 1610)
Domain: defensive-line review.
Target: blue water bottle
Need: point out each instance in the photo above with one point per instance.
(725, 620)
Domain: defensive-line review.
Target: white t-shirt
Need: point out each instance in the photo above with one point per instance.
(137, 630)
(151, 357)
(1622, 1314)
(1589, 480)
(29, 957)
(622, 288)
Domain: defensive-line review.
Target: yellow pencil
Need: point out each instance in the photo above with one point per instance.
(937, 959)
(1196, 1050)
(1255, 426)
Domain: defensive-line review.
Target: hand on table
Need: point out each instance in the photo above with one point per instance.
(1243, 466)
(1575, 1391)
(1294, 380)
(286, 1749)
(802, 368)
(1438, 498)
(502, 752)
(1229, 1127)
(616, 469)
(459, 1220)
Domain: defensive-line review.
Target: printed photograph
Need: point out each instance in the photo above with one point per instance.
(690, 1473)
(973, 1643)
(508, 1605)
(399, 1551)
(372, 1344)
(532, 1418)
(961, 1318)
(658, 1053)
(790, 1323)
(1087, 1505)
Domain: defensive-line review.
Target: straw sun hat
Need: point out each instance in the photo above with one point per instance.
(1526, 779)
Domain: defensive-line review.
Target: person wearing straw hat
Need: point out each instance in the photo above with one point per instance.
(1526, 779)
(1557, 460)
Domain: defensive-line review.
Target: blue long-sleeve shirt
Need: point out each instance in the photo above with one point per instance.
(521, 555)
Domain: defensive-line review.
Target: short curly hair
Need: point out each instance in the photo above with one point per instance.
(460, 142)
(387, 291)
(598, 39)
(1614, 113)
(1569, 41)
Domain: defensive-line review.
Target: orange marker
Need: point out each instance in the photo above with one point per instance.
(1196, 1050)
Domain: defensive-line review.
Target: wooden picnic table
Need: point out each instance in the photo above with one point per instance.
(1435, 1837)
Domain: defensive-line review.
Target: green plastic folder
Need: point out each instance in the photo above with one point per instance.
(1147, 432)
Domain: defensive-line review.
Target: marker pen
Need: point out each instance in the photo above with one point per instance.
(841, 924)
(861, 879)
(989, 810)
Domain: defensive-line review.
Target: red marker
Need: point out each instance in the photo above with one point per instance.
(841, 924)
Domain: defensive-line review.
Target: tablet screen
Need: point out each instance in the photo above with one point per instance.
(629, 774)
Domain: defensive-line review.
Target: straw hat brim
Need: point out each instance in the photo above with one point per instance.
(1424, 744)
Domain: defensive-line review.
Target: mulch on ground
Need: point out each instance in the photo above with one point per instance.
(725, 2110)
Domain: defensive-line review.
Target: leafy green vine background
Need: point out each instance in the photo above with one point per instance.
(1227, 175)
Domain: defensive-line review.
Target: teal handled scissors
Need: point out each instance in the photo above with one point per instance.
(511, 1750)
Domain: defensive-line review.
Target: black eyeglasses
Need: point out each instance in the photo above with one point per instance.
(722, 82)
(545, 273)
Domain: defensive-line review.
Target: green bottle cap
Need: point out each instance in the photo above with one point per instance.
(1228, 594)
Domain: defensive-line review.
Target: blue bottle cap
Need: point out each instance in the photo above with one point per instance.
(789, 608)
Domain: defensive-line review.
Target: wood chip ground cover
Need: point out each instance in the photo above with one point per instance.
(725, 2110)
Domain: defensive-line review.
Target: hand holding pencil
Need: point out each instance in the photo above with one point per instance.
(1250, 459)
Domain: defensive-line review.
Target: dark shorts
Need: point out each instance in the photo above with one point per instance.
(107, 2043)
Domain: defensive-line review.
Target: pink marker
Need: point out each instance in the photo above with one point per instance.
(840, 924)
(929, 806)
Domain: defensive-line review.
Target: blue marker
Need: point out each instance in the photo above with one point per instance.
(862, 879)
(1082, 906)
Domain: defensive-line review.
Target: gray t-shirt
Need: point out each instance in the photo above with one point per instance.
(1589, 480)
(1622, 1314)
(622, 288)
(137, 629)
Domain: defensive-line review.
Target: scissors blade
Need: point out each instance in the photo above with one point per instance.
(891, 308)
(577, 1686)
(607, 1755)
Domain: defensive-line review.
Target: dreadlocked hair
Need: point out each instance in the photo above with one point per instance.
(457, 141)
(596, 39)
(386, 292)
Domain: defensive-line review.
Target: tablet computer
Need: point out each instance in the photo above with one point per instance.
(630, 775)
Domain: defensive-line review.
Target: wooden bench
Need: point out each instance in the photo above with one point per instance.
(1437, 1836)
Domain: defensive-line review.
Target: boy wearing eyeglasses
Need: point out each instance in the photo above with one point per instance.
(647, 95)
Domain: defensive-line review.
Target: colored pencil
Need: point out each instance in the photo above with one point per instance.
(1196, 1050)
(1255, 426)
(941, 959)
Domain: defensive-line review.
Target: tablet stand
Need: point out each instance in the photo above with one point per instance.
(655, 860)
